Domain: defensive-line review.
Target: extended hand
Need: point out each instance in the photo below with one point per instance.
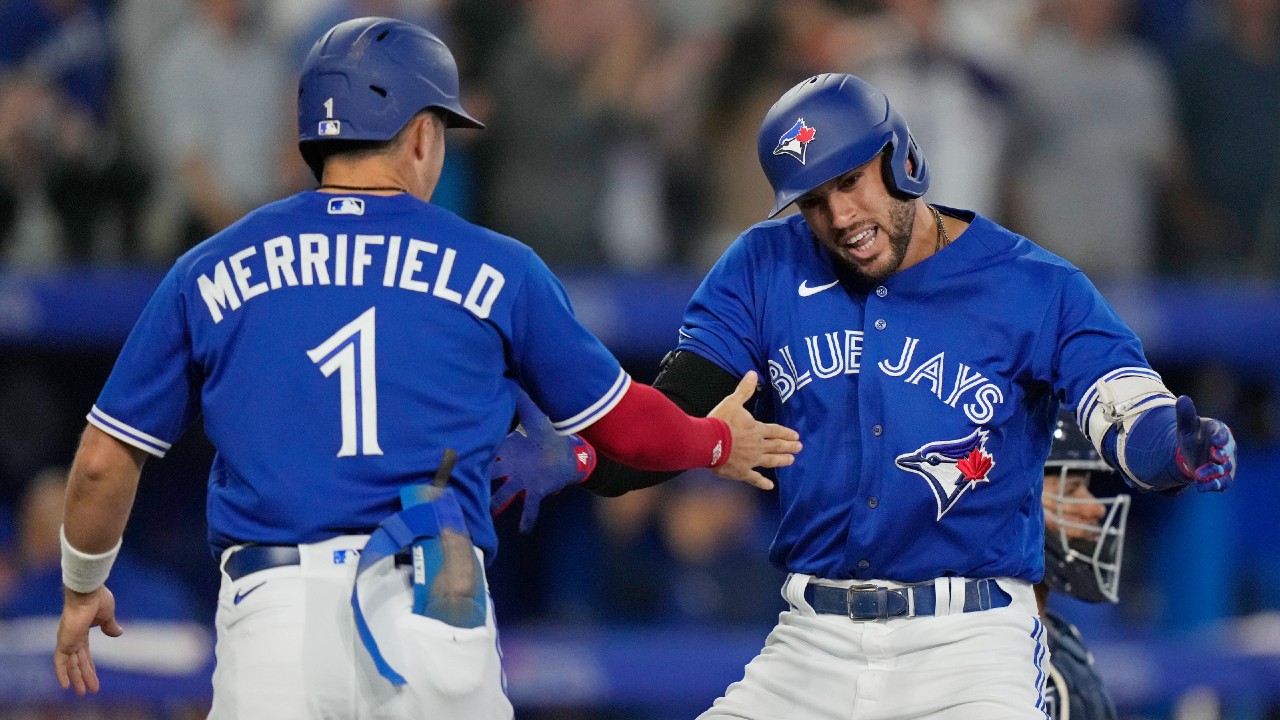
(755, 444)
(1206, 451)
(72, 662)
(535, 462)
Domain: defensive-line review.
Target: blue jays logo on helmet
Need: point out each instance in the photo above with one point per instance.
(795, 141)
(857, 124)
(951, 467)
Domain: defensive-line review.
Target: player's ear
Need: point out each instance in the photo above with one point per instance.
(427, 131)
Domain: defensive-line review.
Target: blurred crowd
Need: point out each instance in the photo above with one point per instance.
(1133, 137)
(1136, 138)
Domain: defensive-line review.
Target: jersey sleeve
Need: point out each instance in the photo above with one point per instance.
(1092, 340)
(152, 394)
(567, 371)
(720, 320)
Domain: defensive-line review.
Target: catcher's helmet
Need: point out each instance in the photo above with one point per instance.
(828, 125)
(1086, 566)
(366, 78)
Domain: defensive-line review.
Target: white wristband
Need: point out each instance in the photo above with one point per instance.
(81, 571)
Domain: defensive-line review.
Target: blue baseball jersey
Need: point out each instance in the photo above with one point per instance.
(335, 346)
(925, 403)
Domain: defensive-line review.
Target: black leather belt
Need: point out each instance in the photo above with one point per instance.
(256, 558)
(871, 602)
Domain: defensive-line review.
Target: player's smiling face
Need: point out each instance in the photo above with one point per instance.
(857, 219)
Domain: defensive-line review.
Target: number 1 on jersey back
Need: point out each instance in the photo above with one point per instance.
(351, 352)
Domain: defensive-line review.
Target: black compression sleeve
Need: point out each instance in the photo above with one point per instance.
(693, 383)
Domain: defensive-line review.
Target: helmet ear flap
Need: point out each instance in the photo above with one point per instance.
(908, 171)
(915, 169)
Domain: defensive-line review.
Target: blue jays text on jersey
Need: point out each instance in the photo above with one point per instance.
(334, 347)
(926, 401)
(840, 352)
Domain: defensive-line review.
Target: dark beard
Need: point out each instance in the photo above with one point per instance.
(902, 217)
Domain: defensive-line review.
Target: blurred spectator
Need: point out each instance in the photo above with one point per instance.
(217, 98)
(63, 43)
(66, 192)
(1092, 140)
(712, 531)
(993, 32)
(570, 162)
(8, 555)
(143, 592)
(1229, 98)
(630, 566)
(142, 30)
(687, 553)
(959, 110)
(775, 47)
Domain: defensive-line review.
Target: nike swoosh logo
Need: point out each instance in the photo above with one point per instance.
(244, 593)
(806, 291)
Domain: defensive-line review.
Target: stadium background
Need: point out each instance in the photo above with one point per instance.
(1138, 138)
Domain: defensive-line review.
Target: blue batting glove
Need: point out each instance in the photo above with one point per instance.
(535, 462)
(1206, 451)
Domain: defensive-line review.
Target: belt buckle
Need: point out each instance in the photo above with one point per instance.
(848, 601)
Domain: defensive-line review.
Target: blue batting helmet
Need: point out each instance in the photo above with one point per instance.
(828, 125)
(366, 78)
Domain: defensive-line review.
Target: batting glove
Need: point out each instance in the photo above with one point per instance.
(535, 462)
(1206, 451)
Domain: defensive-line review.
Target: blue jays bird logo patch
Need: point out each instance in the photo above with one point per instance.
(795, 141)
(951, 467)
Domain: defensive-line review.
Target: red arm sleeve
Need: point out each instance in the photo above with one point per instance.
(645, 430)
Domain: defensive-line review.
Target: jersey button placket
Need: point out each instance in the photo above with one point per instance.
(877, 430)
(864, 564)
(873, 502)
(881, 291)
(881, 324)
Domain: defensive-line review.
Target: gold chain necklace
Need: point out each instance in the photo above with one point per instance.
(943, 238)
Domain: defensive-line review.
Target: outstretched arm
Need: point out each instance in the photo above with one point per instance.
(100, 492)
(1165, 447)
(644, 431)
(696, 385)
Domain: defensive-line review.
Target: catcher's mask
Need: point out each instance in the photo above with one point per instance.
(1084, 534)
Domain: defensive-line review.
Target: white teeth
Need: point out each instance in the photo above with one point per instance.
(862, 239)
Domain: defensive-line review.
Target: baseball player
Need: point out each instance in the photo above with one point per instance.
(355, 355)
(923, 353)
(1084, 545)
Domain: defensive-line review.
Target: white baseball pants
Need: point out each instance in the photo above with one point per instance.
(287, 648)
(984, 665)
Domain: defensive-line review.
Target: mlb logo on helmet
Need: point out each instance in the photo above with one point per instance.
(346, 206)
(795, 141)
(329, 128)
